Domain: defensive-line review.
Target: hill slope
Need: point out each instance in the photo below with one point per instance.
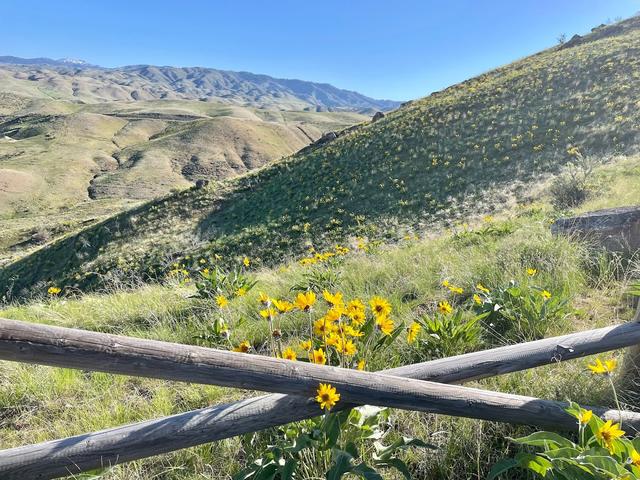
(62, 163)
(65, 80)
(435, 160)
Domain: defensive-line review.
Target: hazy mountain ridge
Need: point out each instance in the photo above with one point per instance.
(78, 81)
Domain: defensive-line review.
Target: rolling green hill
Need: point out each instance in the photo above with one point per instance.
(467, 150)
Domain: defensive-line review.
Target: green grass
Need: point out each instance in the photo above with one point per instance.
(41, 403)
(476, 147)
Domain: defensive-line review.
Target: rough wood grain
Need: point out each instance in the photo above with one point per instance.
(62, 457)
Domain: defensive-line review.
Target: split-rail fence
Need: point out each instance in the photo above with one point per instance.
(431, 386)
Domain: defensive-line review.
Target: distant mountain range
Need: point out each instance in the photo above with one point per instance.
(77, 80)
(11, 60)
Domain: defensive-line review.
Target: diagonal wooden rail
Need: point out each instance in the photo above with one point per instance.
(23, 342)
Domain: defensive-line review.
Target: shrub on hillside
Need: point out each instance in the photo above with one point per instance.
(575, 185)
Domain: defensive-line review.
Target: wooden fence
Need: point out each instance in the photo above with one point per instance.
(427, 387)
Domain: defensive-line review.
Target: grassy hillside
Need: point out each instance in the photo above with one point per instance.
(63, 164)
(41, 403)
(474, 147)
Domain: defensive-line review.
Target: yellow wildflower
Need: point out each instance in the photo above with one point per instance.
(304, 301)
(482, 288)
(318, 356)
(546, 294)
(531, 271)
(346, 347)
(335, 312)
(289, 354)
(380, 307)
(361, 364)
(351, 332)
(608, 433)
(53, 290)
(246, 262)
(412, 332)
(599, 368)
(333, 299)
(268, 312)
(358, 318)
(243, 347)
(327, 396)
(283, 305)
(355, 306)
(445, 307)
(635, 458)
(222, 301)
(584, 416)
(305, 345)
(264, 298)
(241, 292)
(385, 324)
(477, 299)
(332, 339)
(321, 327)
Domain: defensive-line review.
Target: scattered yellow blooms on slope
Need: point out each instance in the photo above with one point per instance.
(327, 396)
(452, 288)
(599, 368)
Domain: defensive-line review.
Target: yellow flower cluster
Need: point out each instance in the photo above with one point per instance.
(317, 257)
(452, 288)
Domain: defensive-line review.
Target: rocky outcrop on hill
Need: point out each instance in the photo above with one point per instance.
(615, 229)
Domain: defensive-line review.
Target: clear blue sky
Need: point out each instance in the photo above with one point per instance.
(398, 49)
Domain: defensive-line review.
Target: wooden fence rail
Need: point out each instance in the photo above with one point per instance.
(117, 354)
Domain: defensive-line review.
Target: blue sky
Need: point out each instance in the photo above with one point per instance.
(398, 49)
